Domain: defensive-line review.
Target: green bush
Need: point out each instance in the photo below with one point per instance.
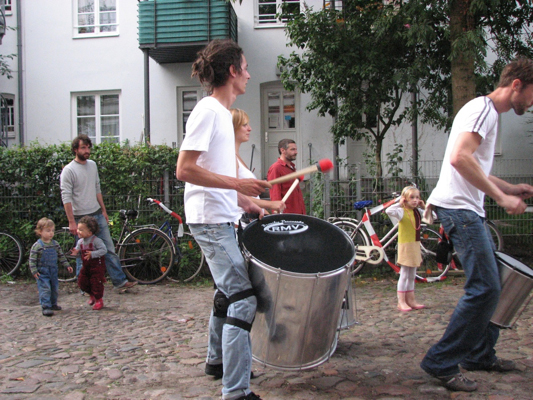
(29, 181)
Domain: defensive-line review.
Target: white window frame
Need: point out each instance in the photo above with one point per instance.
(274, 23)
(10, 126)
(97, 26)
(182, 114)
(8, 7)
(98, 116)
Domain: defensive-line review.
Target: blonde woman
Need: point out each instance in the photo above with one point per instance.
(242, 129)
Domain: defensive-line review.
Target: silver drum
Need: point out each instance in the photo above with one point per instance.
(300, 269)
(517, 282)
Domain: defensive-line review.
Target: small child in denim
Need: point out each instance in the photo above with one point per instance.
(92, 250)
(44, 256)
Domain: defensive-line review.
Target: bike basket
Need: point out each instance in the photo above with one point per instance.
(359, 205)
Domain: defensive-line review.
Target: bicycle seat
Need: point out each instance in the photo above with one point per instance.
(359, 205)
(130, 214)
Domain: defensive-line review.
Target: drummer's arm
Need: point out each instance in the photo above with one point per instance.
(249, 206)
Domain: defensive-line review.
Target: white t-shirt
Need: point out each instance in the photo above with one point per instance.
(210, 131)
(453, 191)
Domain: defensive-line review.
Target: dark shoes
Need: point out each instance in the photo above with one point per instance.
(500, 365)
(47, 312)
(458, 383)
(251, 396)
(217, 371)
(56, 308)
(126, 286)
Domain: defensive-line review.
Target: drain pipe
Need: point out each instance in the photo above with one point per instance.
(20, 73)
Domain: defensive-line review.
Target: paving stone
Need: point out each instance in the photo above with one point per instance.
(151, 343)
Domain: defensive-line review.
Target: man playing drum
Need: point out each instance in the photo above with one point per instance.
(207, 164)
(458, 200)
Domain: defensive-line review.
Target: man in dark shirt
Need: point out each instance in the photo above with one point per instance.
(284, 166)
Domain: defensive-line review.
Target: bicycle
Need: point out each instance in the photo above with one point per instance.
(146, 253)
(429, 239)
(191, 259)
(12, 251)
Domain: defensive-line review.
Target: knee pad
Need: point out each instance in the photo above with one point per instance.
(220, 305)
(239, 323)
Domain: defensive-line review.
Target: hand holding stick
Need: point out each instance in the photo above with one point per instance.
(323, 165)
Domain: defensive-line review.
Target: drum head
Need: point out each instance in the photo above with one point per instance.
(298, 243)
(514, 264)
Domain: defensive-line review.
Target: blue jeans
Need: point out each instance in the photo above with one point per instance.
(469, 338)
(112, 262)
(47, 282)
(228, 343)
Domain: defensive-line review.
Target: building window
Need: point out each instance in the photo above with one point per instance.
(8, 9)
(7, 116)
(266, 11)
(95, 18)
(188, 97)
(98, 116)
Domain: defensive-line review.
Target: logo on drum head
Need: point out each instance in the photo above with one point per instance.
(285, 227)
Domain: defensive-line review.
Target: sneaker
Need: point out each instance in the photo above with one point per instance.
(47, 312)
(500, 365)
(458, 383)
(217, 371)
(56, 308)
(99, 304)
(126, 286)
(250, 396)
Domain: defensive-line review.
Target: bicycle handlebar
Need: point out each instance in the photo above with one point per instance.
(170, 212)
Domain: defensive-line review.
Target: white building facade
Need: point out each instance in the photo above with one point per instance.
(82, 71)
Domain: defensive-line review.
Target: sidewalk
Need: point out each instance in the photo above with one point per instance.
(151, 343)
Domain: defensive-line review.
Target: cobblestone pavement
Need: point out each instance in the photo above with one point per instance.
(151, 343)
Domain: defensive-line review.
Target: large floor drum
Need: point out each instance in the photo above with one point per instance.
(300, 268)
(517, 282)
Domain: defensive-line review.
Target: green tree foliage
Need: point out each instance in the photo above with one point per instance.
(359, 62)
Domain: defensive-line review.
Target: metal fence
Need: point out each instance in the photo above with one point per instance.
(330, 198)
(339, 196)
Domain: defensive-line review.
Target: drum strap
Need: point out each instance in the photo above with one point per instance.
(239, 323)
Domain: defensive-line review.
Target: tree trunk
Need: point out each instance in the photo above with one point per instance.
(462, 65)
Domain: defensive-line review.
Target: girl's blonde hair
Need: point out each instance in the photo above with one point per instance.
(240, 118)
(408, 190)
(43, 223)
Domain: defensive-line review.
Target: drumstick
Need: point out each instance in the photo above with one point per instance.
(291, 189)
(323, 165)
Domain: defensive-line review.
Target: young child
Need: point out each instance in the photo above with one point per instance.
(92, 250)
(409, 253)
(44, 256)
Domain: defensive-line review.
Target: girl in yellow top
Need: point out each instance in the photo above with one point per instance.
(409, 253)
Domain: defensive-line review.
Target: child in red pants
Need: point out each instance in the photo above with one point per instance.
(92, 250)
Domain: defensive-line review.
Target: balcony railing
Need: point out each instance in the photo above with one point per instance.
(174, 30)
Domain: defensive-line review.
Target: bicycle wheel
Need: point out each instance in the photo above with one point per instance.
(359, 238)
(497, 237)
(191, 260)
(430, 270)
(11, 253)
(67, 242)
(147, 255)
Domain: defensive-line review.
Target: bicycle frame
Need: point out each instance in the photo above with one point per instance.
(388, 238)
(180, 231)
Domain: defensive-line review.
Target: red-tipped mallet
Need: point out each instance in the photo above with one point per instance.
(291, 189)
(323, 165)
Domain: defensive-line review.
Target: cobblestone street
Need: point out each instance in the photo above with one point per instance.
(150, 343)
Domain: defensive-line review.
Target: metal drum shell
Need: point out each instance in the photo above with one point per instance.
(517, 283)
(297, 319)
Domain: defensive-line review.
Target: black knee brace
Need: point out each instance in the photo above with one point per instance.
(221, 304)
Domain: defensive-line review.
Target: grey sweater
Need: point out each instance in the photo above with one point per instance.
(80, 184)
